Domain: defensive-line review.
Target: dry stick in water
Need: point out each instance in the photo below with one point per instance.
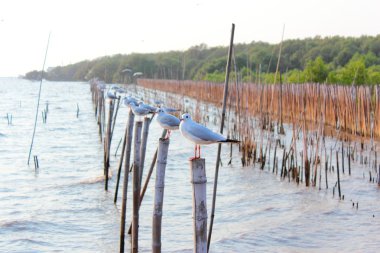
(107, 143)
(159, 194)
(38, 101)
(225, 94)
(142, 194)
(144, 140)
(126, 175)
(115, 116)
(337, 171)
(127, 136)
(136, 187)
(198, 180)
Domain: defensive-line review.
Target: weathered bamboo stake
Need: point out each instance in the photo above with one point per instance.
(378, 177)
(337, 171)
(142, 194)
(144, 140)
(115, 116)
(107, 142)
(225, 95)
(128, 137)
(326, 162)
(198, 180)
(100, 113)
(127, 153)
(349, 160)
(274, 156)
(163, 147)
(136, 186)
(342, 157)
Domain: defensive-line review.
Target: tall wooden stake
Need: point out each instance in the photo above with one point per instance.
(221, 131)
(144, 140)
(198, 179)
(127, 136)
(163, 148)
(136, 187)
(126, 176)
(337, 171)
(107, 142)
(142, 194)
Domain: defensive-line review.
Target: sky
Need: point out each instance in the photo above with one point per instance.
(82, 29)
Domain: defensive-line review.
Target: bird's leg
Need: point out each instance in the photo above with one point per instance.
(195, 154)
(199, 151)
(167, 135)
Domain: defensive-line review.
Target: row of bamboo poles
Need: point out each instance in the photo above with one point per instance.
(135, 139)
(312, 111)
(352, 109)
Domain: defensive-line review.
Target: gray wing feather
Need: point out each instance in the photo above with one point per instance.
(204, 133)
(170, 120)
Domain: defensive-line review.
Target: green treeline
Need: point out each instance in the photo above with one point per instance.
(343, 60)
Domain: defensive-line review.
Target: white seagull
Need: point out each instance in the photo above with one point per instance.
(169, 110)
(139, 111)
(146, 106)
(167, 121)
(199, 134)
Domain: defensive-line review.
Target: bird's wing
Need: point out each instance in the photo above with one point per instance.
(203, 132)
(169, 120)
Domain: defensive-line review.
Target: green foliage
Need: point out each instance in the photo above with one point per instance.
(335, 59)
(316, 71)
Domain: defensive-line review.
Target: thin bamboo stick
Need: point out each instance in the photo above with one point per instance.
(159, 194)
(198, 180)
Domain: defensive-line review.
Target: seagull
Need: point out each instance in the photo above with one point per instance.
(128, 100)
(167, 121)
(146, 106)
(199, 134)
(111, 94)
(139, 111)
(169, 110)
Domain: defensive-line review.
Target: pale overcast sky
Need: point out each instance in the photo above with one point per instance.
(82, 29)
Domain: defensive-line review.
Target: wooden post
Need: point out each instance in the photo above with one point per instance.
(136, 186)
(127, 136)
(337, 171)
(342, 158)
(114, 118)
(126, 175)
(198, 179)
(349, 160)
(142, 194)
(159, 194)
(107, 146)
(225, 94)
(144, 140)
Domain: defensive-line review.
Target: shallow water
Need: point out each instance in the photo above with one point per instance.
(62, 206)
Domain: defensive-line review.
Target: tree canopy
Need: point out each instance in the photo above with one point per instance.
(344, 60)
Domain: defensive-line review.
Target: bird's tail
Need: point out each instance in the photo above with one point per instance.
(231, 141)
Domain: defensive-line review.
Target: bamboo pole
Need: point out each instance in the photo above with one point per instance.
(337, 171)
(136, 186)
(127, 136)
(115, 116)
(126, 176)
(144, 140)
(142, 194)
(225, 94)
(163, 148)
(107, 143)
(198, 179)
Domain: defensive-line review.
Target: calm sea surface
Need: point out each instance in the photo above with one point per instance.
(62, 206)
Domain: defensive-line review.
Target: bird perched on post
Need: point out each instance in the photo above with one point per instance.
(167, 121)
(199, 134)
